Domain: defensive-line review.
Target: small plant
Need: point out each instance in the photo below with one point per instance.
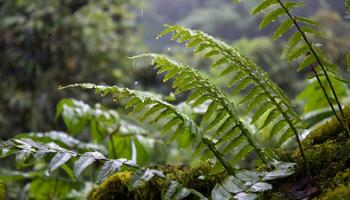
(300, 46)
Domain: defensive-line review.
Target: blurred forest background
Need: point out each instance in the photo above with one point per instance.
(45, 44)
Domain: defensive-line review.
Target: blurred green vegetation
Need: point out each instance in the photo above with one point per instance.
(45, 44)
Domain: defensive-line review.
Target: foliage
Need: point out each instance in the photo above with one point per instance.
(299, 45)
(220, 116)
(48, 43)
(27, 150)
(245, 184)
(211, 125)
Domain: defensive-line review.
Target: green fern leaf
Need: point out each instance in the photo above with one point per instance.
(261, 111)
(246, 69)
(271, 17)
(251, 94)
(263, 5)
(308, 60)
(283, 28)
(270, 118)
(306, 20)
(298, 51)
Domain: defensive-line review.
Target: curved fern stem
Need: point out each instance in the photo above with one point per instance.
(218, 156)
(326, 95)
(191, 125)
(318, 59)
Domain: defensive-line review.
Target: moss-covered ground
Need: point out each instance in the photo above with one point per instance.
(327, 150)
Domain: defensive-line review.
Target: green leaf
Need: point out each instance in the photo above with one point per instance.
(277, 127)
(263, 108)
(108, 168)
(270, 118)
(176, 191)
(262, 6)
(283, 28)
(234, 143)
(251, 94)
(141, 175)
(298, 51)
(306, 20)
(58, 160)
(308, 60)
(272, 16)
(85, 160)
(242, 85)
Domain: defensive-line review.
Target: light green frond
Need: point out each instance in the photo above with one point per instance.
(246, 73)
(220, 109)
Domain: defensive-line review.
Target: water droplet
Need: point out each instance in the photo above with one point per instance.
(136, 82)
(318, 44)
(169, 49)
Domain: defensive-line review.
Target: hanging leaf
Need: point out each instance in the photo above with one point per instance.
(141, 175)
(85, 160)
(108, 169)
(58, 160)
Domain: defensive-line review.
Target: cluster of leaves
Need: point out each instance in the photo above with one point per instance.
(221, 134)
(124, 137)
(27, 151)
(246, 184)
(243, 72)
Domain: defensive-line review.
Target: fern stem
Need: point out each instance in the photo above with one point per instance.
(308, 43)
(206, 141)
(327, 97)
(251, 142)
(285, 116)
(230, 170)
(229, 107)
(301, 149)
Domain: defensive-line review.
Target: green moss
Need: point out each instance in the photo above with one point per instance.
(328, 130)
(326, 151)
(2, 191)
(116, 186)
(328, 158)
(337, 188)
(340, 193)
(328, 162)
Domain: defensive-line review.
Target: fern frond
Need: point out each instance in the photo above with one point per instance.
(301, 46)
(245, 73)
(63, 138)
(26, 149)
(175, 121)
(221, 117)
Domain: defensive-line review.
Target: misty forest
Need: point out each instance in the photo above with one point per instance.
(175, 99)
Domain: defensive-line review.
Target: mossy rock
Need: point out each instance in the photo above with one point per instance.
(327, 151)
(338, 188)
(331, 129)
(117, 186)
(2, 191)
